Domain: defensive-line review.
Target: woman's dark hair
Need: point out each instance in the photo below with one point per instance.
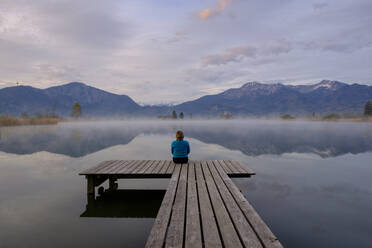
(179, 135)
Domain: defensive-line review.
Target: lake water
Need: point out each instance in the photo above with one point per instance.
(313, 185)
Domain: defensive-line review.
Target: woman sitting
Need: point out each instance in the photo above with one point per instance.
(180, 149)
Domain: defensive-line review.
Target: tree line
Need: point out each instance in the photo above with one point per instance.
(174, 115)
(77, 112)
(368, 109)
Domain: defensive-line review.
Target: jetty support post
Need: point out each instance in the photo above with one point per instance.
(112, 183)
(90, 186)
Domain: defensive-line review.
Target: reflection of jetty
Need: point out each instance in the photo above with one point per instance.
(125, 204)
(202, 207)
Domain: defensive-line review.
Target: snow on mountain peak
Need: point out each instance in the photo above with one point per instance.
(332, 85)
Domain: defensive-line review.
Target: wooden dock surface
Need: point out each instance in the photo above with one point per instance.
(202, 207)
(155, 169)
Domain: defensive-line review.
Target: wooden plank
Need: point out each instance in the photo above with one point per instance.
(246, 234)
(233, 169)
(165, 167)
(153, 166)
(175, 233)
(149, 167)
(263, 232)
(228, 233)
(211, 237)
(242, 167)
(123, 164)
(90, 170)
(105, 168)
(225, 167)
(144, 168)
(102, 166)
(156, 168)
(159, 229)
(117, 165)
(228, 168)
(239, 170)
(129, 166)
(193, 229)
(138, 166)
(159, 167)
(170, 168)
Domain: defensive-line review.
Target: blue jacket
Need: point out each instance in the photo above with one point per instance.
(180, 148)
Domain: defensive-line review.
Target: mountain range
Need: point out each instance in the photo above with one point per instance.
(251, 99)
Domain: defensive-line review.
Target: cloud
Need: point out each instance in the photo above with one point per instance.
(319, 6)
(211, 12)
(205, 13)
(65, 72)
(178, 36)
(77, 23)
(239, 53)
(337, 45)
(59, 41)
(233, 54)
(281, 46)
(93, 25)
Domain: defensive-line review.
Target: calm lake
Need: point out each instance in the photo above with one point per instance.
(313, 186)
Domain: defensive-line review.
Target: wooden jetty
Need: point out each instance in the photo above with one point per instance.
(202, 207)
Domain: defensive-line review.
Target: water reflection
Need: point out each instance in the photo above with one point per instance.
(253, 138)
(74, 140)
(125, 204)
(306, 200)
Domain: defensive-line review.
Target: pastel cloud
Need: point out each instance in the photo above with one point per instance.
(205, 13)
(209, 12)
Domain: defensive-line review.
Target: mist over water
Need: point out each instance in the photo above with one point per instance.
(253, 138)
(312, 185)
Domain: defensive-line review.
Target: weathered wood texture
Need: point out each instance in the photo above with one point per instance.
(156, 168)
(202, 207)
(206, 209)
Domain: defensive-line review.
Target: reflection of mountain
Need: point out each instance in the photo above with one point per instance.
(253, 138)
(74, 141)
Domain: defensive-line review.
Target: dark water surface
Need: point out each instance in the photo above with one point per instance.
(313, 185)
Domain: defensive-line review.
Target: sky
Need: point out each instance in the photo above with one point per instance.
(170, 51)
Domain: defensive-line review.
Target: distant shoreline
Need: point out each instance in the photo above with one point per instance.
(355, 119)
(6, 121)
(15, 121)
